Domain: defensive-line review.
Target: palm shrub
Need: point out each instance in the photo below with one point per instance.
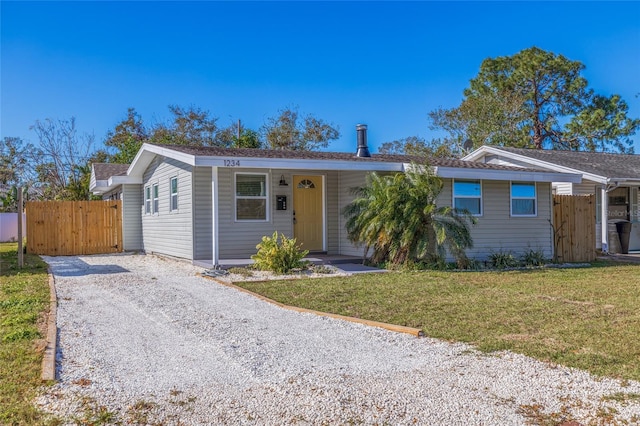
(279, 255)
(397, 216)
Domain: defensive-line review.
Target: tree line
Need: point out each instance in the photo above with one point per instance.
(533, 99)
(59, 166)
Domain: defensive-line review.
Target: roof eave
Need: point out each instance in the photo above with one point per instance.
(148, 152)
(296, 163)
(104, 186)
(514, 175)
(97, 185)
(484, 150)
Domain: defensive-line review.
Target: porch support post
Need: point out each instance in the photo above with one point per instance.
(604, 218)
(215, 250)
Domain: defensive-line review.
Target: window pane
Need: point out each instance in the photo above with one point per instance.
(471, 204)
(174, 202)
(523, 190)
(155, 191)
(466, 188)
(147, 200)
(523, 207)
(251, 185)
(251, 209)
(174, 186)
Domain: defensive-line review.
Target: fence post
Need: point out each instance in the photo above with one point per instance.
(20, 210)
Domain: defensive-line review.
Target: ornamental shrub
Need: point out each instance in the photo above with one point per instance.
(279, 255)
(503, 260)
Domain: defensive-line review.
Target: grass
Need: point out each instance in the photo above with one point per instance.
(24, 302)
(587, 318)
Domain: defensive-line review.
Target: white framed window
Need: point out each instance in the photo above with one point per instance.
(147, 200)
(523, 199)
(173, 191)
(467, 195)
(251, 197)
(156, 198)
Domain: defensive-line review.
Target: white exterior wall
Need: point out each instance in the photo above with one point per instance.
(563, 188)
(506, 161)
(9, 226)
(166, 232)
(587, 187)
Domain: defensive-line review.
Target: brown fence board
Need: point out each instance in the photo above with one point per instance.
(63, 228)
(574, 221)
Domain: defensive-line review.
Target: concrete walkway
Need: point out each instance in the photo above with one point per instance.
(619, 257)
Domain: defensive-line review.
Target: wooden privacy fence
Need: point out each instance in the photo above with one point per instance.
(63, 228)
(574, 223)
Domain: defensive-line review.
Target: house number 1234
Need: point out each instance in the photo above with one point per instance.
(232, 163)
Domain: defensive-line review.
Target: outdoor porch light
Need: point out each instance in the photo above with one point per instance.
(282, 181)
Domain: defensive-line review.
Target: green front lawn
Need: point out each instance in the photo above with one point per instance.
(587, 318)
(24, 302)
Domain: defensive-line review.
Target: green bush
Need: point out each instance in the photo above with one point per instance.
(503, 259)
(533, 258)
(279, 255)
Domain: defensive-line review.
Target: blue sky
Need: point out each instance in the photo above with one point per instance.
(383, 64)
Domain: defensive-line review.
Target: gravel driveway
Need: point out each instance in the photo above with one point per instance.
(143, 340)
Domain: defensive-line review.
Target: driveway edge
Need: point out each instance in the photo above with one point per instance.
(391, 327)
(49, 357)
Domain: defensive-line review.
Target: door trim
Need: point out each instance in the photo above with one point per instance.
(324, 203)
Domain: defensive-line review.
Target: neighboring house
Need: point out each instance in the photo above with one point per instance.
(209, 204)
(613, 178)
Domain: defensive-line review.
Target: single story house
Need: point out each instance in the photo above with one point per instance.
(211, 204)
(613, 178)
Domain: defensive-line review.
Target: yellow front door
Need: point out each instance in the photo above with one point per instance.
(307, 212)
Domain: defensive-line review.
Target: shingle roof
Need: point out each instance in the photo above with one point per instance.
(597, 163)
(104, 171)
(211, 151)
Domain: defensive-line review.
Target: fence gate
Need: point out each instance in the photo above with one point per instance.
(63, 228)
(574, 223)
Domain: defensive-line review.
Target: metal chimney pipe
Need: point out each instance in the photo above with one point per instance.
(363, 150)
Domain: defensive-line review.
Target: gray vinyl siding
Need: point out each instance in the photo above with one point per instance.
(496, 230)
(131, 219)
(114, 194)
(332, 212)
(634, 239)
(347, 181)
(239, 239)
(131, 196)
(202, 213)
(167, 232)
